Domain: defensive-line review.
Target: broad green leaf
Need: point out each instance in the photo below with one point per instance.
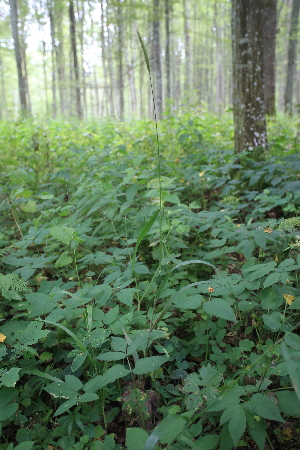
(73, 382)
(63, 260)
(271, 322)
(191, 302)
(272, 279)
(246, 247)
(208, 442)
(288, 403)
(112, 374)
(265, 407)
(88, 397)
(126, 296)
(29, 207)
(269, 299)
(291, 367)
(292, 340)
(28, 445)
(237, 424)
(219, 308)
(257, 428)
(135, 438)
(10, 378)
(66, 406)
(166, 431)
(111, 356)
(62, 233)
(150, 364)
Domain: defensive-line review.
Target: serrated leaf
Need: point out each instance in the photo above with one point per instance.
(148, 365)
(265, 407)
(62, 233)
(237, 424)
(288, 403)
(257, 429)
(219, 308)
(63, 260)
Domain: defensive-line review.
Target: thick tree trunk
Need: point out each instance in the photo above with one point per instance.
(18, 55)
(157, 61)
(292, 49)
(248, 89)
(75, 59)
(269, 20)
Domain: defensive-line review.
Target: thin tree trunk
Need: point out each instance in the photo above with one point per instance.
(59, 54)
(80, 13)
(292, 51)
(3, 91)
(120, 60)
(45, 77)
(187, 48)
(219, 65)
(248, 88)
(269, 17)
(52, 33)
(75, 59)
(107, 95)
(168, 58)
(157, 60)
(18, 55)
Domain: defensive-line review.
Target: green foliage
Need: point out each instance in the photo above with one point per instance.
(144, 313)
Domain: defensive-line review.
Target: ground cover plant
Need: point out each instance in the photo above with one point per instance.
(141, 311)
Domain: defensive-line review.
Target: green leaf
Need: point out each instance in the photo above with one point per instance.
(65, 406)
(135, 438)
(257, 428)
(246, 247)
(237, 424)
(291, 367)
(288, 403)
(126, 296)
(166, 431)
(111, 356)
(10, 378)
(63, 260)
(265, 407)
(88, 397)
(292, 340)
(148, 365)
(73, 382)
(271, 322)
(112, 374)
(269, 299)
(142, 234)
(28, 445)
(272, 279)
(29, 207)
(208, 442)
(219, 308)
(62, 233)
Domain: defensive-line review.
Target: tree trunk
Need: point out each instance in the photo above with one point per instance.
(52, 34)
(269, 19)
(75, 58)
(168, 60)
(59, 54)
(3, 93)
(292, 49)
(120, 60)
(18, 55)
(187, 48)
(157, 61)
(248, 89)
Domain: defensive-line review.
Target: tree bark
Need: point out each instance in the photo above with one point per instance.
(157, 61)
(292, 51)
(248, 88)
(269, 19)
(168, 58)
(187, 48)
(120, 60)
(18, 55)
(75, 59)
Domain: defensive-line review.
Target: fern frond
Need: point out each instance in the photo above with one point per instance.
(12, 282)
(288, 224)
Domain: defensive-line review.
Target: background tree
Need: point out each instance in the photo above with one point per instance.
(269, 29)
(247, 69)
(292, 48)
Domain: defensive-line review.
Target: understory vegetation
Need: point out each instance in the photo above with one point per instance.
(149, 299)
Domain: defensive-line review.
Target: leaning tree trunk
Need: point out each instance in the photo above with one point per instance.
(288, 98)
(75, 59)
(269, 16)
(248, 88)
(157, 61)
(18, 55)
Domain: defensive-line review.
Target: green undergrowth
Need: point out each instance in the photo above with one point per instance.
(145, 312)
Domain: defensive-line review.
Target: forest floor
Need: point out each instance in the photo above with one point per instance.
(149, 296)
